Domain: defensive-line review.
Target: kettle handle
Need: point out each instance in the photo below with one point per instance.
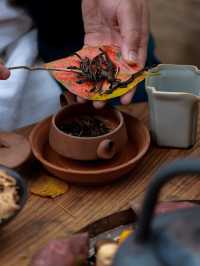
(163, 176)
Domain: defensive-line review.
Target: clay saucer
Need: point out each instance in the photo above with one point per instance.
(95, 172)
(14, 149)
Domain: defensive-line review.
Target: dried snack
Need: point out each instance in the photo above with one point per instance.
(8, 196)
(105, 253)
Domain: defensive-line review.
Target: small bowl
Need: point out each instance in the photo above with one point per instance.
(22, 191)
(88, 148)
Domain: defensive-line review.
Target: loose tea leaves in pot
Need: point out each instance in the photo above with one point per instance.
(85, 126)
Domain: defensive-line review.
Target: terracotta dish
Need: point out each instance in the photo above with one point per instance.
(14, 149)
(95, 172)
(105, 146)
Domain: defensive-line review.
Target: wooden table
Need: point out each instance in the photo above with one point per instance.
(44, 219)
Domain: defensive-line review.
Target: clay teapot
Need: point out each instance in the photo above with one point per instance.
(170, 239)
(105, 146)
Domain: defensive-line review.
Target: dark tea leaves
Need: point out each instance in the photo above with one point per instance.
(85, 126)
(99, 69)
(97, 73)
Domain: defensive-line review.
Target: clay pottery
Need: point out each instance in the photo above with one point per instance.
(14, 149)
(91, 172)
(88, 148)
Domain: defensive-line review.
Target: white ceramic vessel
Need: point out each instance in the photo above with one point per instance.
(173, 102)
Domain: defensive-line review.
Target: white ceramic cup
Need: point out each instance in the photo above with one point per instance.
(173, 95)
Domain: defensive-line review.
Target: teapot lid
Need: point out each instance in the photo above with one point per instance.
(170, 239)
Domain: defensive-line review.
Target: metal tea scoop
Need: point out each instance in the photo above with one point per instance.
(43, 68)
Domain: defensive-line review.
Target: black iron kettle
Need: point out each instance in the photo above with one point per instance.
(171, 239)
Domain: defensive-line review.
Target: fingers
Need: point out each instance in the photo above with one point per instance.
(80, 100)
(96, 104)
(142, 52)
(133, 23)
(127, 98)
(4, 72)
(130, 27)
(99, 104)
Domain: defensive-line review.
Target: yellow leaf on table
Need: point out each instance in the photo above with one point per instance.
(48, 186)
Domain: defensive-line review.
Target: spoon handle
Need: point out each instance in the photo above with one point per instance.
(43, 68)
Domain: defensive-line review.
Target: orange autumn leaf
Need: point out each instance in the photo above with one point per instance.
(47, 186)
(69, 79)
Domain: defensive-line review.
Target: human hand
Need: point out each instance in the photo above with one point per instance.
(4, 72)
(118, 22)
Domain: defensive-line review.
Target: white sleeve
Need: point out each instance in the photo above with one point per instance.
(13, 24)
(25, 97)
(21, 52)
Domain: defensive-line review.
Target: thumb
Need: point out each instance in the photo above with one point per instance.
(130, 28)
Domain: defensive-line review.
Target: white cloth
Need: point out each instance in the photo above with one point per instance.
(25, 97)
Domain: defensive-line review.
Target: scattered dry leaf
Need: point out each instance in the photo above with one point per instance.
(48, 186)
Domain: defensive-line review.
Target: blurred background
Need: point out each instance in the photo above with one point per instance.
(176, 28)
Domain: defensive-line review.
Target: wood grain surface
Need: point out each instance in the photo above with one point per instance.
(44, 219)
(176, 27)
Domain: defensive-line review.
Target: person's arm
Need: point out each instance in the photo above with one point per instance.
(124, 23)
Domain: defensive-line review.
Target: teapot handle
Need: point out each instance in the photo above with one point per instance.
(106, 149)
(163, 176)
